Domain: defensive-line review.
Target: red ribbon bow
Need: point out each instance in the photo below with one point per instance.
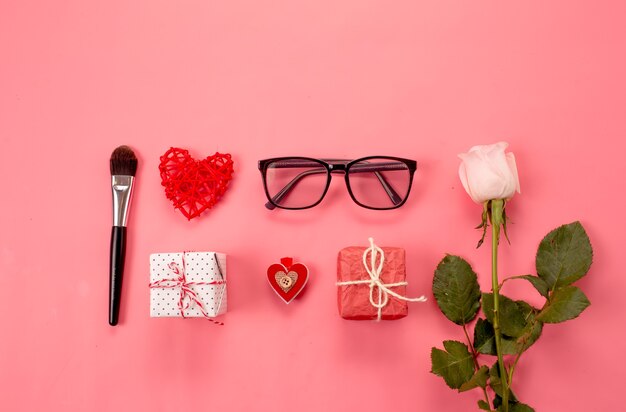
(187, 295)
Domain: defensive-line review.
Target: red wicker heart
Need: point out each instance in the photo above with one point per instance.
(192, 185)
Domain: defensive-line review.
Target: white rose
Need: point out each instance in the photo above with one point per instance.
(487, 173)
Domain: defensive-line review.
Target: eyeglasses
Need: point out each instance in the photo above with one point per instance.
(375, 182)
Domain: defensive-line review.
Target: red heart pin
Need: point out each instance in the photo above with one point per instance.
(287, 278)
(194, 185)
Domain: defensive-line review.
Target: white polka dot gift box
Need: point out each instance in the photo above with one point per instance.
(188, 285)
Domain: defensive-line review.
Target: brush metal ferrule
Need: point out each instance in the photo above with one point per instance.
(122, 187)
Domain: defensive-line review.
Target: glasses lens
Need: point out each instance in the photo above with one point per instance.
(296, 183)
(379, 183)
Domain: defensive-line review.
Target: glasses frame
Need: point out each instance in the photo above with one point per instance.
(338, 166)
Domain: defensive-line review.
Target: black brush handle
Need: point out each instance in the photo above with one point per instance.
(118, 255)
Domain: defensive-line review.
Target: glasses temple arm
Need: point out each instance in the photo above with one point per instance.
(289, 187)
(393, 195)
(376, 167)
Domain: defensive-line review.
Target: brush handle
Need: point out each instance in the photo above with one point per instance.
(118, 255)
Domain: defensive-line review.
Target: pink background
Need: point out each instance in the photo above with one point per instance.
(317, 78)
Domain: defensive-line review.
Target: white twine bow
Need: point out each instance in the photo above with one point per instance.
(375, 282)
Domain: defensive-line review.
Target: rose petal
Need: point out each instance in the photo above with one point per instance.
(487, 172)
(510, 157)
(483, 181)
(463, 177)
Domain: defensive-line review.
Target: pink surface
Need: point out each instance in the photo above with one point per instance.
(319, 78)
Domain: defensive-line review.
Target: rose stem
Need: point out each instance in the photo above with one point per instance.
(497, 208)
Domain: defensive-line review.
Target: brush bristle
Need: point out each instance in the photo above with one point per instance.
(123, 161)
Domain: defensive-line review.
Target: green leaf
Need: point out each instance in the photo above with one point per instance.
(483, 405)
(484, 337)
(494, 381)
(565, 304)
(513, 406)
(496, 384)
(512, 321)
(456, 289)
(454, 364)
(564, 255)
(478, 380)
(520, 407)
(533, 329)
(537, 282)
(485, 340)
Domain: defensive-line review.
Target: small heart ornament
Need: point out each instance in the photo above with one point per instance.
(192, 185)
(287, 278)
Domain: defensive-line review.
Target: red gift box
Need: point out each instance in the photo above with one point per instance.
(354, 300)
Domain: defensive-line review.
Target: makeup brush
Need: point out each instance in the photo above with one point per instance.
(123, 169)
